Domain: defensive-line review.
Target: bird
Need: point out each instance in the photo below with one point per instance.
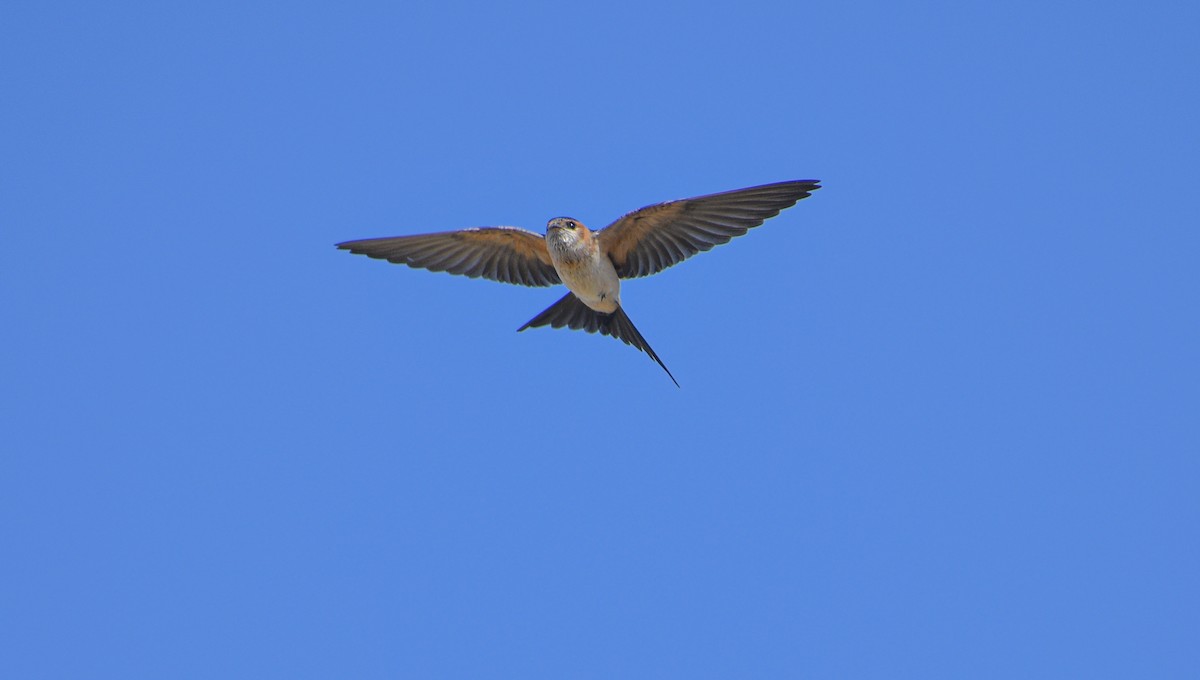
(591, 264)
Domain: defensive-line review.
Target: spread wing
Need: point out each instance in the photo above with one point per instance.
(649, 240)
(504, 254)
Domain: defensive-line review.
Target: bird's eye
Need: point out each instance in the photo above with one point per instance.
(570, 225)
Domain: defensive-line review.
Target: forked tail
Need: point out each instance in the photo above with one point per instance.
(572, 313)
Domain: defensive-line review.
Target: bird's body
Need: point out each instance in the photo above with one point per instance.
(584, 269)
(590, 263)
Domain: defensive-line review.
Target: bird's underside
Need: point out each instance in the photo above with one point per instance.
(641, 243)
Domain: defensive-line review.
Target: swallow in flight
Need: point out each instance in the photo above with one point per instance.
(590, 263)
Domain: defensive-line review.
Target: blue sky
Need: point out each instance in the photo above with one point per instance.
(937, 420)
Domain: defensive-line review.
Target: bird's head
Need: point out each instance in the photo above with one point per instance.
(568, 229)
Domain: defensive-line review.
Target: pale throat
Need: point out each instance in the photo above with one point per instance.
(566, 250)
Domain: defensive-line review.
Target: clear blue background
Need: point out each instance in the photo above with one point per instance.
(938, 420)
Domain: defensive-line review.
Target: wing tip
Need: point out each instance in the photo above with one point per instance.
(806, 186)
